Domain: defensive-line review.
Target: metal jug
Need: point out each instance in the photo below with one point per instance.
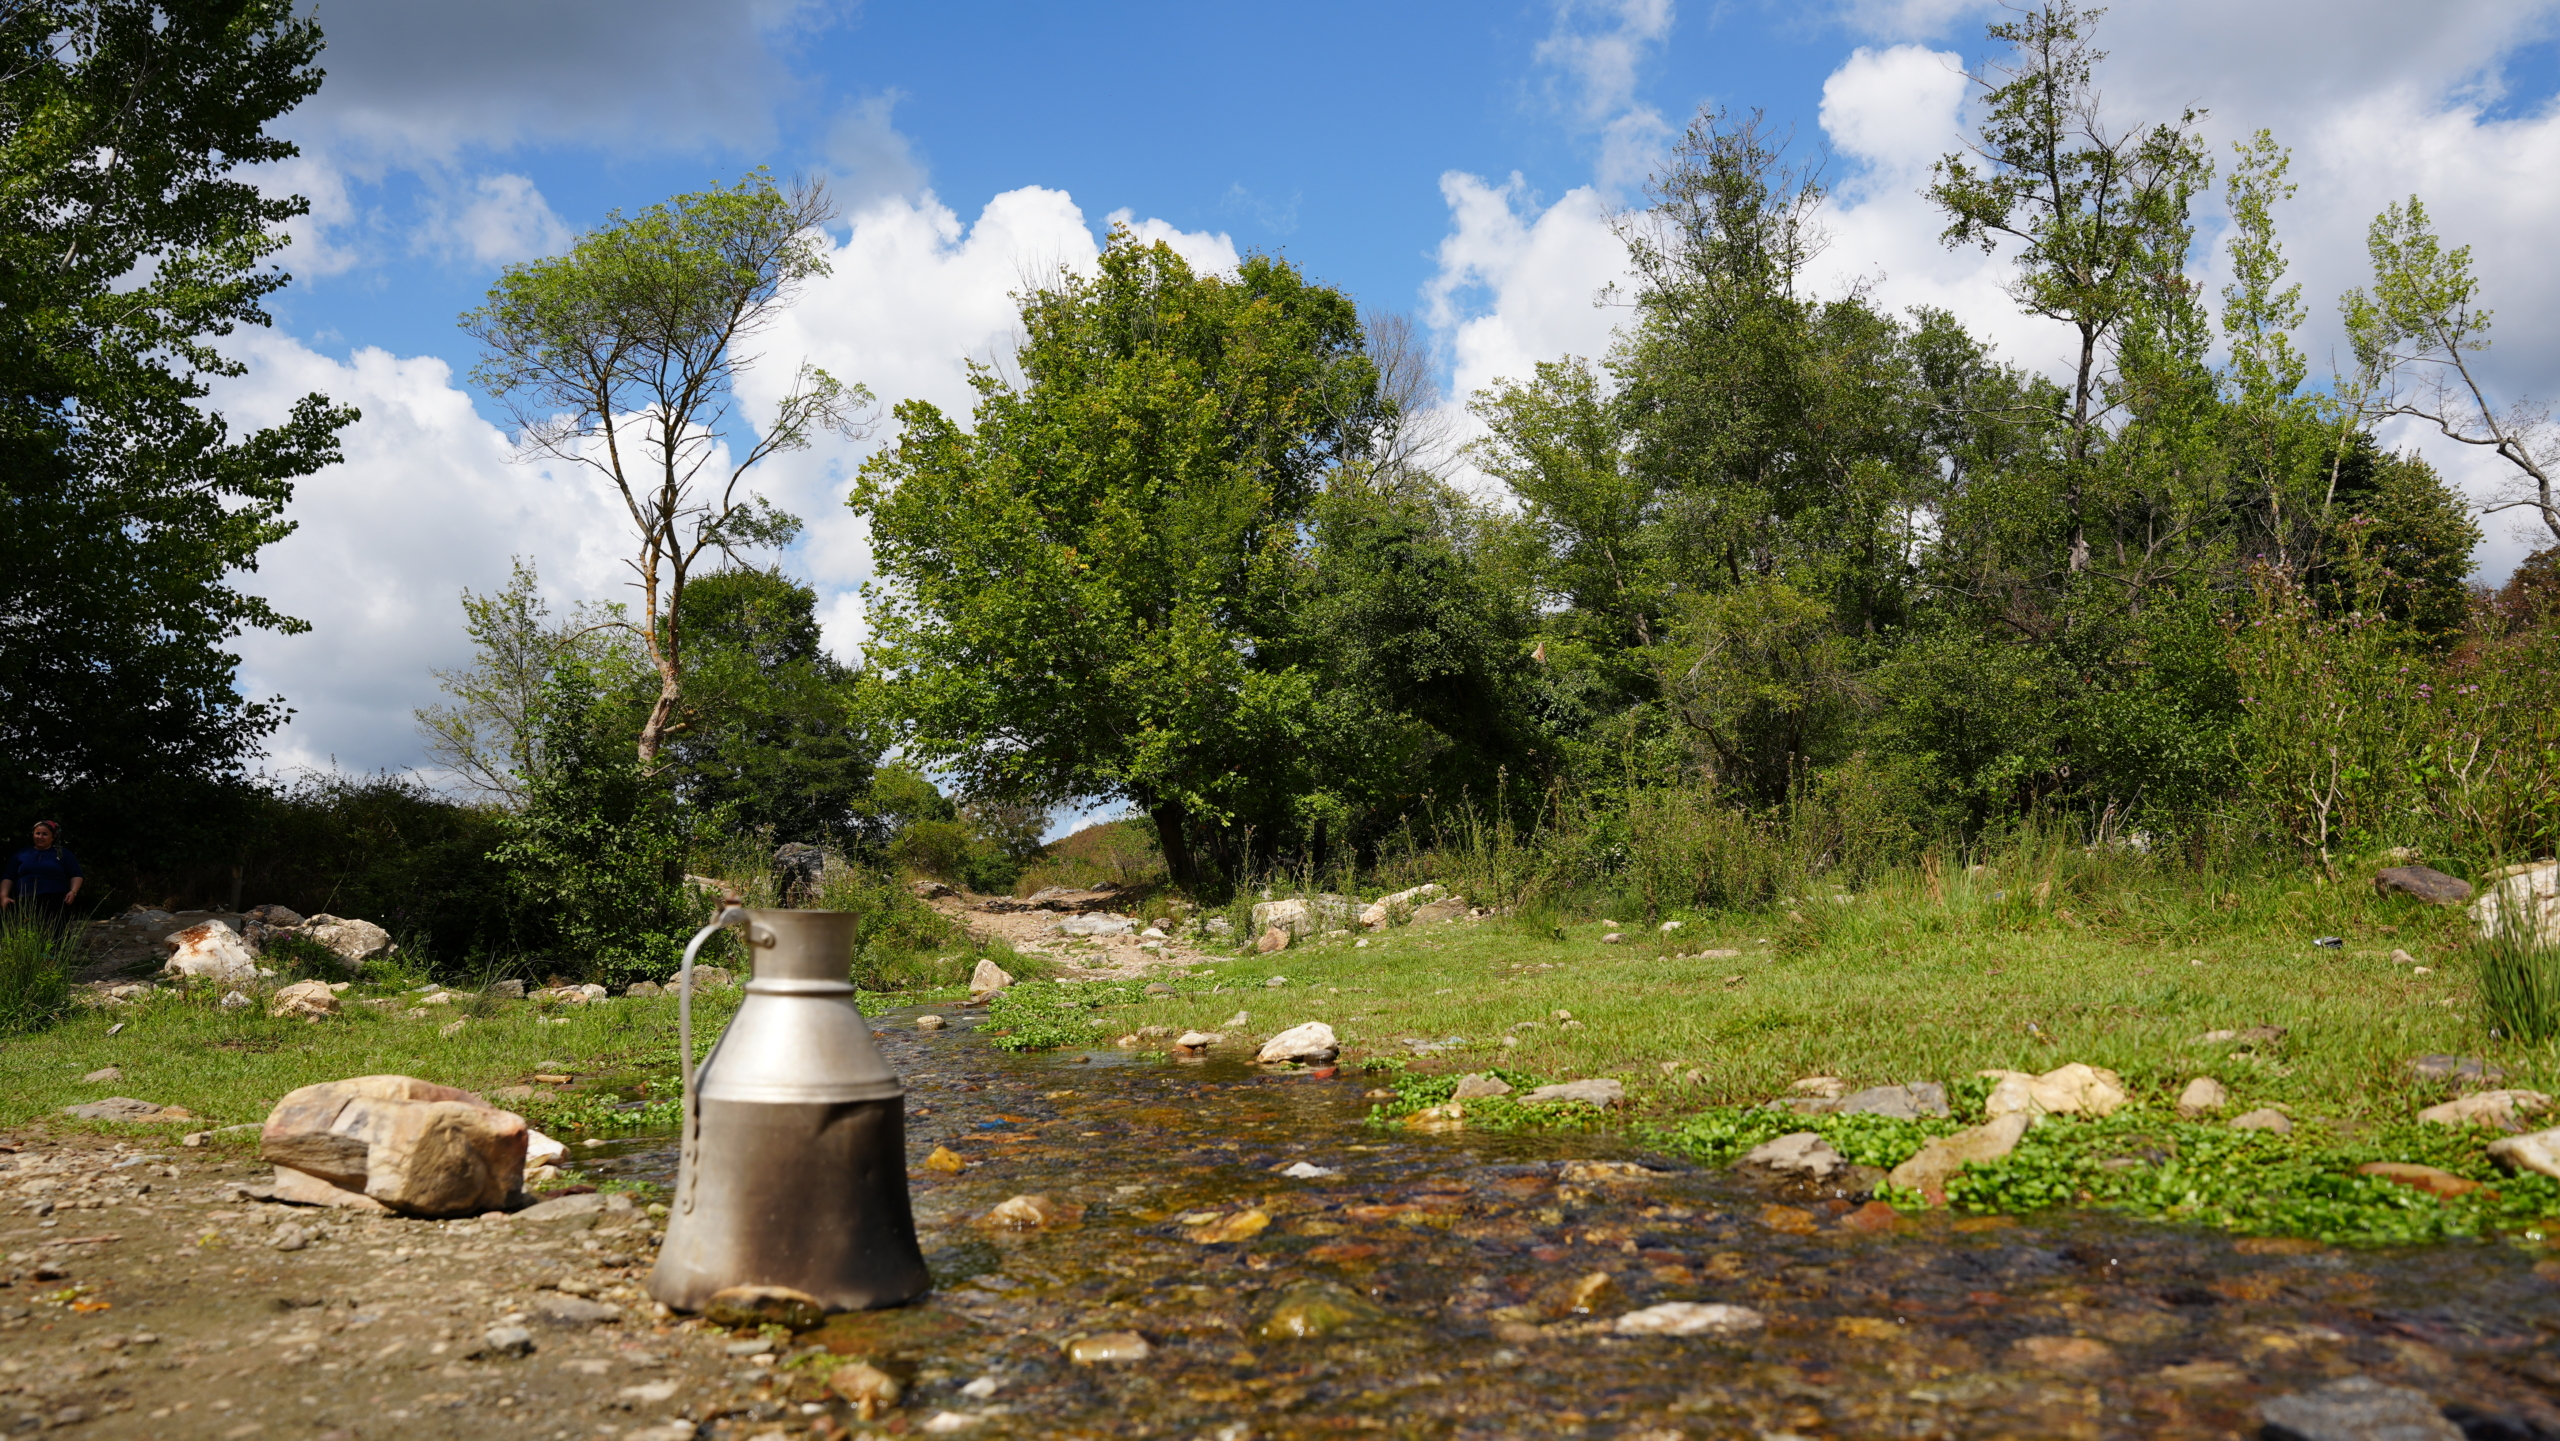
(793, 1170)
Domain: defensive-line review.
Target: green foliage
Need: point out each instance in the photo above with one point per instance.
(36, 961)
(2519, 980)
(300, 958)
(594, 860)
(131, 239)
(1079, 598)
(389, 850)
(1047, 1015)
(770, 735)
(1498, 1114)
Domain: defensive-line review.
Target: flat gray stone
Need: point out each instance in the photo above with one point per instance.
(2358, 1408)
(1591, 1093)
(2422, 883)
(2465, 1071)
(563, 1310)
(1909, 1103)
(1802, 1155)
(562, 1208)
(121, 1108)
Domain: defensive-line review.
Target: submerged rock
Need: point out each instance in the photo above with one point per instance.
(2358, 1408)
(1107, 1347)
(1317, 1308)
(1690, 1318)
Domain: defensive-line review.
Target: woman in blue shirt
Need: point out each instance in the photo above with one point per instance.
(44, 880)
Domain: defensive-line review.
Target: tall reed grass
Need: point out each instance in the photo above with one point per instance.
(36, 964)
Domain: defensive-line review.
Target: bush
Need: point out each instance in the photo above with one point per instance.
(300, 958)
(36, 962)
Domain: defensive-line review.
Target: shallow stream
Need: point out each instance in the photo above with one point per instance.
(1467, 1285)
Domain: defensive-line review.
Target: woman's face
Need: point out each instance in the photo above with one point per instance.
(44, 837)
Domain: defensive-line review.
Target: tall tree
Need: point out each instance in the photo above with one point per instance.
(623, 357)
(2086, 204)
(1081, 597)
(129, 246)
(2415, 334)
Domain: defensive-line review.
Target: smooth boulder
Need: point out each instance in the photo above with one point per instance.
(1305, 916)
(1797, 1156)
(354, 942)
(1603, 1093)
(417, 1147)
(1929, 1171)
(1313, 1044)
(310, 1000)
(2502, 1109)
(1387, 910)
(2422, 883)
(2535, 1151)
(2525, 897)
(2072, 1090)
(987, 979)
(212, 950)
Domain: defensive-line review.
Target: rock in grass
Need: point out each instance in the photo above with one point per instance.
(2265, 1118)
(2465, 1072)
(2421, 883)
(1385, 910)
(2526, 898)
(1313, 1044)
(1929, 1171)
(2536, 1151)
(1908, 1103)
(1690, 1318)
(2072, 1090)
(310, 1000)
(2441, 1184)
(130, 1110)
(1800, 1156)
(1274, 939)
(2204, 1096)
(2358, 1408)
(1477, 1086)
(2501, 1109)
(1603, 1093)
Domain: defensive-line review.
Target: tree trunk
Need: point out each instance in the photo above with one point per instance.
(1173, 833)
(654, 734)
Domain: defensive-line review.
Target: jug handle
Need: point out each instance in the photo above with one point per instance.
(732, 912)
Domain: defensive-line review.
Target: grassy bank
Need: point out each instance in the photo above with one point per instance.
(2110, 959)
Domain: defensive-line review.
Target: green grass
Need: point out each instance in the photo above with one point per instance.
(35, 974)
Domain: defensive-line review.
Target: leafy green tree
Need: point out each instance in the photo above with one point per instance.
(2414, 334)
(622, 357)
(1087, 596)
(129, 245)
(2401, 540)
(593, 861)
(771, 734)
(2088, 206)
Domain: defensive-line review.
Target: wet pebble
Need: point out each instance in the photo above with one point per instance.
(1690, 1318)
(1108, 1347)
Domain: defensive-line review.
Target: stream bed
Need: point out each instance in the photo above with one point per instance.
(1473, 1285)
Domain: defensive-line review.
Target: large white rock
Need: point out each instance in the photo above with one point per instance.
(417, 1147)
(2526, 895)
(2536, 1151)
(212, 950)
(308, 999)
(1690, 1318)
(1096, 923)
(2072, 1090)
(1386, 910)
(355, 942)
(1304, 916)
(2502, 1109)
(1313, 1043)
(987, 979)
(1799, 1154)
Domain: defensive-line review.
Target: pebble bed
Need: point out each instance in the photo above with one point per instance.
(1231, 1253)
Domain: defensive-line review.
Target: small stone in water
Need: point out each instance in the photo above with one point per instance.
(945, 1160)
(1108, 1346)
(865, 1387)
(1030, 1213)
(1308, 1171)
(2356, 1408)
(930, 1023)
(1223, 1229)
(2077, 1354)
(1689, 1318)
(1317, 1308)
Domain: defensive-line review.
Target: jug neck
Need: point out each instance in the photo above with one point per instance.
(801, 945)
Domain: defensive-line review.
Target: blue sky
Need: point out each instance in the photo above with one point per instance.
(1458, 162)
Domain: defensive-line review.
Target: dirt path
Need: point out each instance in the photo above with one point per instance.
(146, 1292)
(1030, 928)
